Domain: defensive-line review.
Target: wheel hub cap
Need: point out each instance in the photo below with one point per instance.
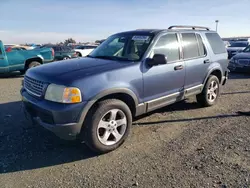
(212, 91)
(112, 127)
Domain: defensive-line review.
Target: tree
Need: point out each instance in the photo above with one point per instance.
(99, 41)
(69, 40)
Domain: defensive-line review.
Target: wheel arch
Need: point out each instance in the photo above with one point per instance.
(125, 95)
(216, 71)
(28, 61)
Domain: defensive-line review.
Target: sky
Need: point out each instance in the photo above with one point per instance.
(43, 21)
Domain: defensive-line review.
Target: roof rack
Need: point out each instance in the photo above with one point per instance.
(188, 26)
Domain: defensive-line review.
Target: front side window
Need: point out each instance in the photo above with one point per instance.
(123, 47)
(190, 46)
(168, 45)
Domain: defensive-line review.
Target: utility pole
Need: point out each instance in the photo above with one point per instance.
(216, 22)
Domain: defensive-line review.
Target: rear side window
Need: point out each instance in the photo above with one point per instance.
(202, 50)
(168, 45)
(190, 46)
(1, 51)
(216, 43)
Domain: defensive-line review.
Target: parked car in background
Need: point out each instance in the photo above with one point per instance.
(241, 61)
(21, 60)
(62, 52)
(236, 47)
(17, 47)
(94, 99)
(226, 43)
(84, 50)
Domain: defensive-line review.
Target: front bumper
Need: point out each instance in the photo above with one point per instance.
(61, 119)
(239, 68)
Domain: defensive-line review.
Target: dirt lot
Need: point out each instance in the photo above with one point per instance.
(182, 145)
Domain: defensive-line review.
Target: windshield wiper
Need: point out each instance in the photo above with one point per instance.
(105, 57)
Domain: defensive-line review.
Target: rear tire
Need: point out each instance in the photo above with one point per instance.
(34, 64)
(210, 93)
(107, 125)
(66, 58)
(30, 65)
(78, 54)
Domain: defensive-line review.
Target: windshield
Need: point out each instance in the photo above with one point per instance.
(239, 44)
(123, 47)
(247, 49)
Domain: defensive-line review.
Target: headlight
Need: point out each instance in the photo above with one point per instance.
(63, 94)
(233, 61)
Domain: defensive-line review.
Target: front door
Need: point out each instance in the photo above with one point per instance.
(164, 84)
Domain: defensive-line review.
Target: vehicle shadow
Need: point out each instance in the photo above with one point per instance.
(234, 93)
(12, 75)
(190, 119)
(24, 146)
(181, 106)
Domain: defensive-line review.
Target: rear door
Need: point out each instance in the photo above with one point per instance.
(3, 60)
(196, 61)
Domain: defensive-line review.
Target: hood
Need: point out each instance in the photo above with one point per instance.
(235, 48)
(242, 56)
(79, 67)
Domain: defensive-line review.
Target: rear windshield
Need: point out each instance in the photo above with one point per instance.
(239, 44)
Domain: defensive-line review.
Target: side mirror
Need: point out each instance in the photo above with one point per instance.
(158, 59)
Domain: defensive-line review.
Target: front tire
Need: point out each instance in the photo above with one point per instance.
(210, 93)
(107, 125)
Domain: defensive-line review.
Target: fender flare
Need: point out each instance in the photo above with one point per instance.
(216, 68)
(35, 57)
(102, 94)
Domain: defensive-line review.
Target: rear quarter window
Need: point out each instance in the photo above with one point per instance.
(216, 43)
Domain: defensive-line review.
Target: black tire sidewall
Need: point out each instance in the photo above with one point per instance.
(33, 64)
(92, 121)
(79, 54)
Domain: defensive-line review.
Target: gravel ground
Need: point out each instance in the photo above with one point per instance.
(182, 145)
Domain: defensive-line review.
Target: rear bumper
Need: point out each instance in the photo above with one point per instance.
(61, 119)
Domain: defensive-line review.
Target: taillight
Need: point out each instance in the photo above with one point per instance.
(53, 52)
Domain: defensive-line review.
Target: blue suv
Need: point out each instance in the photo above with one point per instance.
(94, 99)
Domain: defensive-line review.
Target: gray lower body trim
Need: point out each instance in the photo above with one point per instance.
(193, 90)
(164, 101)
(167, 100)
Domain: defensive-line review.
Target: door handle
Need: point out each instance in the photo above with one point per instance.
(206, 61)
(1, 58)
(179, 67)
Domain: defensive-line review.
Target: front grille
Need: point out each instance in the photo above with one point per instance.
(33, 86)
(244, 62)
